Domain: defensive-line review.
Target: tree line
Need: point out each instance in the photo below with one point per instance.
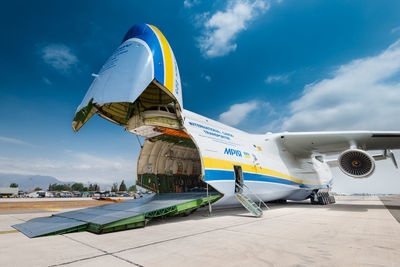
(122, 187)
(92, 187)
(74, 187)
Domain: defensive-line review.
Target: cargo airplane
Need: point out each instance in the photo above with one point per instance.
(139, 88)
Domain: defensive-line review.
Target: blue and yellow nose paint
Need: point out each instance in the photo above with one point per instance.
(161, 50)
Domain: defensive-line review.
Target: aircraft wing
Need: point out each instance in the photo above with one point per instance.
(303, 144)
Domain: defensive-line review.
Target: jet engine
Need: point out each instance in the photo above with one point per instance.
(356, 163)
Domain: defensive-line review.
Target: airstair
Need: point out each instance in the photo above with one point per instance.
(249, 204)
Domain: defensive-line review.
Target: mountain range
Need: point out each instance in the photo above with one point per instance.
(30, 182)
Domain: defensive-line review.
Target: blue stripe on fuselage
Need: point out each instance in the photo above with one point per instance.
(145, 33)
(218, 175)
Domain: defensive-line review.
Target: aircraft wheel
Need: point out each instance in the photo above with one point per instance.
(325, 199)
(313, 202)
(321, 200)
(328, 201)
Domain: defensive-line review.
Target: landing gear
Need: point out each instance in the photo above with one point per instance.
(321, 198)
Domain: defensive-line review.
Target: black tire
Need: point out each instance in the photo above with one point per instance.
(327, 201)
(313, 202)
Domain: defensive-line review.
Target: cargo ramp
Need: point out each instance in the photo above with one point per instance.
(124, 215)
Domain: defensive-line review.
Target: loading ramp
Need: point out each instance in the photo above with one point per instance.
(118, 216)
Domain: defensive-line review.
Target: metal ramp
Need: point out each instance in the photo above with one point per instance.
(45, 225)
(118, 216)
(249, 204)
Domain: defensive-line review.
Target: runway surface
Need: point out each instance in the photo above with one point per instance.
(357, 231)
(26, 205)
(393, 205)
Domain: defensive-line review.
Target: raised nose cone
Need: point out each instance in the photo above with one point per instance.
(140, 75)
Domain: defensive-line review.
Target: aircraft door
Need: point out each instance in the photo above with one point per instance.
(238, 178)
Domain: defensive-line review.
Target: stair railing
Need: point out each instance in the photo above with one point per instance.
(248, 189)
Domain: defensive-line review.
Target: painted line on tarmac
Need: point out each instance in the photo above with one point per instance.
(105, 253)
(48, 207)
(9, 232)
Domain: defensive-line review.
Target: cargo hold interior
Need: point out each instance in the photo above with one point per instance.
(169, 164)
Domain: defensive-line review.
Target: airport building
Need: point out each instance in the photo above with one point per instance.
(8, 191)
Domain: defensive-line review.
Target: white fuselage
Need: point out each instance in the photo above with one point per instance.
(269, 171)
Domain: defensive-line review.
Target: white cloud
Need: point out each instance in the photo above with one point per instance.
(222, 28)
(237, 113)
(361, 95)
(13, 141)
(284, 78)
(79, 167)
(206, 77)
(190, 3)
(395, 29)
(59, 56)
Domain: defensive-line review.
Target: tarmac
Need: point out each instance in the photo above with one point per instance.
(23, 205)
(356, 231)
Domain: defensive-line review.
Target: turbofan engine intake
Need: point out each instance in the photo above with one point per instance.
(356, 163)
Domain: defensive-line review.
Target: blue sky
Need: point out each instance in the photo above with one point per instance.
(283, 65)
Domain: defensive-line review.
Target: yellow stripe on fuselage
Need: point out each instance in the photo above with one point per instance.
(169, 70)
(210, 163)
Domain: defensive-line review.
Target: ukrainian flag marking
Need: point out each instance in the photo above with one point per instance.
(168, 65)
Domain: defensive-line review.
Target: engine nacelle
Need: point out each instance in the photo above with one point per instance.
(356, 163)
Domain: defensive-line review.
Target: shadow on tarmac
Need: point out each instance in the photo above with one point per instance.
(390, 203)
